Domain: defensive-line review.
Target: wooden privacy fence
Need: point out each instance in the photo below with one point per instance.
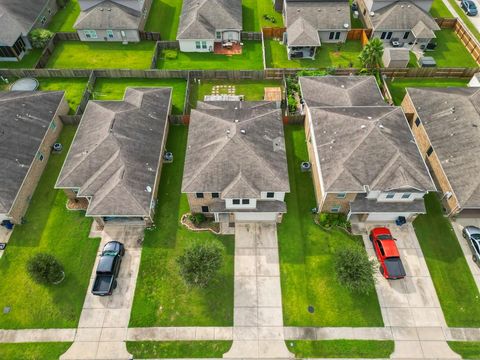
(152, 36)
(446, 23)
(468, 40)
(357, 34)
(67, 36)
(250, 35)
(70, 119)
(273, 32)
(179, 119)
(294, 119)
(87, 93)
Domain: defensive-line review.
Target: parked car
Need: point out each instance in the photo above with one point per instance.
(472, 235)
(108, 268)
(391, 265)
(469, 7)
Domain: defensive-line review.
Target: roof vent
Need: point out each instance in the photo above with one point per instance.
(236, 120)
(243, 131)
(298, 10)
(363, 127)
(101, 9)
(109, 9)
(381, 126)
(345, 26)
(409, 6)
(372, 13)
(369, 117)
(228, 132)
(149, 189)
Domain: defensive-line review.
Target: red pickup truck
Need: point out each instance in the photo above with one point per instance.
(391, 265)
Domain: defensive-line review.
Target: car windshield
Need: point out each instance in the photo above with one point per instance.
(476, 236)
(384, 237)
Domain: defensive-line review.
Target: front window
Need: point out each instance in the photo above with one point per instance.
(199, 195)
(341, 195)
(205, 209)
(198, 45)
(270, 195)
(90, 34)
(390, 196)
(110, 34)
(215, 195)
(236, 201)
(218, 35)
(204, 44)
(406, 35)
(245, 201)
(331, 35)
(406, 195)
(335, 209)
(337, 35)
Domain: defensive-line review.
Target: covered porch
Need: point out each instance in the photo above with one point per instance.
(16, 51)
(304, 52)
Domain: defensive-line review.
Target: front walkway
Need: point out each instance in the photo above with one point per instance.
(258, 316)
(102, 329)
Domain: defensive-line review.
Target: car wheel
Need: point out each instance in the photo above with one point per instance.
(475, 258)
(381, 270)
(115, 284)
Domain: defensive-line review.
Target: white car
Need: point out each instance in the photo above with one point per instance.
(472, 235)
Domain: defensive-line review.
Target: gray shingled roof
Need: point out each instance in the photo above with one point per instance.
(201, 18)
(452, 121)
(402, 15)
(220, 158)
(108, 15)
(25, 119)
(362, 205)
(367, 146)
(17, 17)
(116, 152)
(340, 91)
(305, 19)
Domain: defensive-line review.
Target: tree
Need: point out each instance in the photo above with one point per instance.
(200, 263)
(355, 270)
(44, 268)
(40, 38)
(372, 52)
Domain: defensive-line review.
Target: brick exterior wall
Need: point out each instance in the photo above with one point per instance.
(159, 170)
(432, 161)
(331, 200)
(311, 154)
(35, 171)
(196, 204)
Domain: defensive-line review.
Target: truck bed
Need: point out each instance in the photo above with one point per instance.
(102, 285)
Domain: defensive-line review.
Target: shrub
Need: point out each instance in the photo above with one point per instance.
(355, 270)
(329, 220)
(292, 104)
(200, 264)
(197, 218)
(45, 269)
(170, 54)
(40, 38)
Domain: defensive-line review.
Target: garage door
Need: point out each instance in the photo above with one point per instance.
(255, 216)
(386, 216)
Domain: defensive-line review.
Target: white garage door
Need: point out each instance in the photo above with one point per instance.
(386, 216)
(255, 216)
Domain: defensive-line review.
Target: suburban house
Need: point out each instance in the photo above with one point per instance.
(402, 23)
(115, 160)
(446, 125)
(112, 20)
(313, 22)
(30, 125)
(236, 165)
(364, 159)
(17, 19)
(210, 25)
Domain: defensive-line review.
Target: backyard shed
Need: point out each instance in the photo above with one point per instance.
(396, 57)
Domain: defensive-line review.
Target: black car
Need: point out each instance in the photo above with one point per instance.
(108, 268)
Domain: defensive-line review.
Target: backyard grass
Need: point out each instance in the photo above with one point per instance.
(99, 55)
(454, 283)
(250, 59)
(114, 89)
(73, 87)
(164, 17)
(466, 349)
(450, 52)
(439, 10)
(253, 90)
(33, 351)
(178, 349)
(161, 297)
(356, 23)
(413, 62)
(367, 349)
(253, 15)
(397, 86)
(50, 227)
(65, 18)
(327, 56)
(306, 257)
(28, 61)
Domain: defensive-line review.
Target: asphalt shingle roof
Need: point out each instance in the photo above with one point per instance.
(108, 15)
(402, 15)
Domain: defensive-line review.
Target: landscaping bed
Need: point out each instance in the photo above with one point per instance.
(367, 349)
(33, 351)
(114, 89)
(177, 349)
(307, 257)
(258, 14)
(161, 296)
(49, 227)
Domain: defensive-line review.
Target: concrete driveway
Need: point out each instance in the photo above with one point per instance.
(458, 226)
(103, 324)
(410, 306)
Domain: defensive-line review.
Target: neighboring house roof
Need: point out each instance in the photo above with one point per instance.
(236, 148)
(17, 17)
(340, 91)
(402, 15)
(201, 18)
(451, 119)
(24, 121)
(117, 151)
(108, 15)
(367, 146)
(305, 19)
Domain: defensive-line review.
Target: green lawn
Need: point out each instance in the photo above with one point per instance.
(99, 55)
(454, 283)
(49, 227)
(253, 12)
(65, 18)
(253, 90)
(367, 349)
(356, 23)
(74, 88)
(327, 56)
(114, 89)
(413, 62)
(450, 52)
(466, 349)
(164, 17)
(28, 62)
(33, 351)
(306, 257)
(397, 86)
(439, 10)
(250, 59)
(178, 349)
(161, 297)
